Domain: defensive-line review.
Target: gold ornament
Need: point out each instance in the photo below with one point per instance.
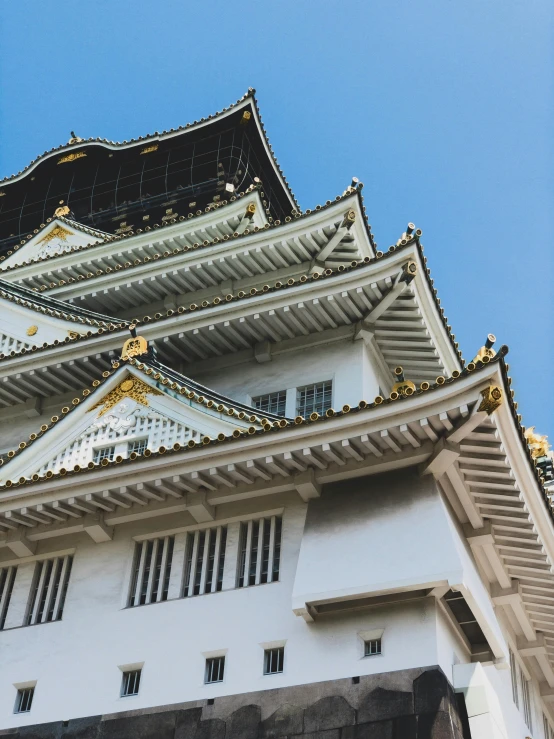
(58, 232)
(134, 347)
(538, 445)
(132, 388)
(492, 399)
(149, 149)
(486, 352)
(63, 210)
(31, 331)
(71, 157)
(402, 387)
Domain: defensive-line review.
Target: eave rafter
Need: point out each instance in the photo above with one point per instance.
(309, 307)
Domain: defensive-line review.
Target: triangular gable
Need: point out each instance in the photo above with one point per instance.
(126, 409)
(58, 236)
(25, 326)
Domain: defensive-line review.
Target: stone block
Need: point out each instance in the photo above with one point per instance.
(373, 730)
(41, 731)
(244, 723)
(405, 727)
(333, 712)
(287, 720)
(437, 726)
(329, 734)
(186, 723)
(82, 728)
(432, 692)
(381, 704)
(212, 728)
(144, 726)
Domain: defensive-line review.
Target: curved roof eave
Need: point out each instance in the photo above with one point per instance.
(247, 98)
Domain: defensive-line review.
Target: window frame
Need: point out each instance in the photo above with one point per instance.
(302, 411)
(378, 641)
(126, 678)
(268, 654)
(220, 659)
(100, 450)
(281, 400)
(22, 693)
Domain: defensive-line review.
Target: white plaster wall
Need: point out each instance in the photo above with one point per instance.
(344, 362)
(75, 661)
(379, 533)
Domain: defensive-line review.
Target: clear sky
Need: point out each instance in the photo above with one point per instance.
(443, 108)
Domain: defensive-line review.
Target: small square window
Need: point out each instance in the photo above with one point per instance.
(138, 446)
(372, 647)
(271, 403)
(314, 399)
(274, 660)
(130, 683)
(106, 452)
(24, 700)
(215, 668)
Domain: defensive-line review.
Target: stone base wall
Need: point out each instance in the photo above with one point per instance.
(408, 704)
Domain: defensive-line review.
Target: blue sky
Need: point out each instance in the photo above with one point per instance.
(443, 108)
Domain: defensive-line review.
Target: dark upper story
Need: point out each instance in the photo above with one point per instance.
(113, 187)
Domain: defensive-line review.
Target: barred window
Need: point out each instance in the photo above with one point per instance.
(372, 647)
(314, 398)
(49, 589)
(138, 446)
(259, 551)
(215, 669)
(274, 660)
(526, 701)
(204, 561)
(24, 700)
(7, 579)
(271, 403)
(151, 571)
(106, 452)
(130, 683)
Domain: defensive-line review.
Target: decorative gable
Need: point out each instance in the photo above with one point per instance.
(57, 237)
(127, 415)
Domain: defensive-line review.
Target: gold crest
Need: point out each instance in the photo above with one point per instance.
(134, 347)
(132, 388)
(71, 157)
(31, 331)
(492, 399)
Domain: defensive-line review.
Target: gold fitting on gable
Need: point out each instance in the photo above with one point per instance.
(492, 399)
(63, 210)
(246, 116)
(134, 347)
(31, 331)
(349, 218)
(149, 149)
(250, 209)
(132, 388)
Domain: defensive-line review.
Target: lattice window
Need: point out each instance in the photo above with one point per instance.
(314, 398)
(274, 660)
(7, 579)
(130, 683)
(259, 551)
(49, 589)
(138, 446)
(107, 452)
(8, 345)
(215, 670)
(151, 571)
(271, 403)
(204, 561)
(24, 700)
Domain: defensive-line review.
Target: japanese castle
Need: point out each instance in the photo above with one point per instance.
(250, 488)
